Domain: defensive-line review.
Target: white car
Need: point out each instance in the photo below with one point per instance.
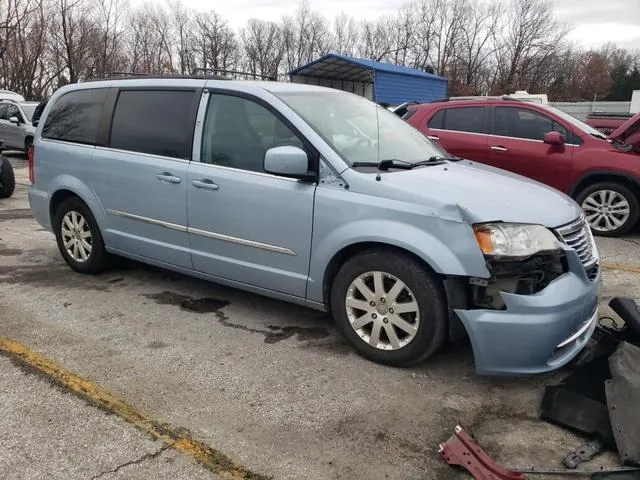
(16, 129)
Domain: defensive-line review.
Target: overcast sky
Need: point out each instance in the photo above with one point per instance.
(595, 22)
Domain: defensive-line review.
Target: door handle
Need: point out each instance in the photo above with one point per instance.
(167, 177)
(433, 137)
(206, 184)
(499, 149)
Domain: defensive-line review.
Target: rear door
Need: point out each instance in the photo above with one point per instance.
(461, 131)
(517, 145)
(141, 176)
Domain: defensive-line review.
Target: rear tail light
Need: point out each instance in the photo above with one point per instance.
(32, 170)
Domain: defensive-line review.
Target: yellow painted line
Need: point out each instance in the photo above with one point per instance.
(210, 458)
(621, 266)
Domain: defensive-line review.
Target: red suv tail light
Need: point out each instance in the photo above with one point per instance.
(32, 170)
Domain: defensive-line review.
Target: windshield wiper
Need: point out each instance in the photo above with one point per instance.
(385, 164)
(403, 164)
(449, 158)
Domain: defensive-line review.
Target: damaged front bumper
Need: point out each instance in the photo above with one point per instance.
(539, 332)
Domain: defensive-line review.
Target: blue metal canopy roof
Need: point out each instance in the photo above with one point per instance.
(341, 67)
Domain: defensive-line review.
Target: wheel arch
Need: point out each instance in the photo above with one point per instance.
(596, 176)
(350, 251)
(454, 288)
(67, 187)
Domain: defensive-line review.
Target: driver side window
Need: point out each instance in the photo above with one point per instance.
(238, 132)
(12, 111)
(525, 123)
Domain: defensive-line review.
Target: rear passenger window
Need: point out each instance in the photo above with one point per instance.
(437, 121)
(466, 119)
(157, 122)
(75, 116)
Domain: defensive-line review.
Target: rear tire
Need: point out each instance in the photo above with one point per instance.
(389, 307)
(79, 238)
(7, 178)
(611, 209)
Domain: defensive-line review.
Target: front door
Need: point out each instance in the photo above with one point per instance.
(246, 225)
(141, 178)
(10, 133)
(16, 133)
(517, 145)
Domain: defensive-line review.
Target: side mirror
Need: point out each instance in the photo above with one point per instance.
(287, 162)
(15, 120)
(554, 138)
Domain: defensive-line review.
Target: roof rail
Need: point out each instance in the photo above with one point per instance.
(199, 74)
(216, 71)
(487, 97)
(133, 76)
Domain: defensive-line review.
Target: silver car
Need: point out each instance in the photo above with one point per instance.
(16, 129)
(321, 198)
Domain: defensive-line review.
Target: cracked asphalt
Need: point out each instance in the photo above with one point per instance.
(269, 384)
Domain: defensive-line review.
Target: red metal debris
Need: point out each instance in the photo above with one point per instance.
(462, 450)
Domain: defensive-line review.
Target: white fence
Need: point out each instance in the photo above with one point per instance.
(581, 109)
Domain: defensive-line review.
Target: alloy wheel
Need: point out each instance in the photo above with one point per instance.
(382, 310)
(76, 236)
(606, 210)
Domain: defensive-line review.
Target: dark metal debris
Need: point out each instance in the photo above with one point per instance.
(623, 398)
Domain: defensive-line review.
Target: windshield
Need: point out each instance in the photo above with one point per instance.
(28, 111)
(351, 127)
(575, 122)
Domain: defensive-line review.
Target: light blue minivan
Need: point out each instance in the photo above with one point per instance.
(322, 198)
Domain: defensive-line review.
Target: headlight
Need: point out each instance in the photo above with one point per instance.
(514, 240)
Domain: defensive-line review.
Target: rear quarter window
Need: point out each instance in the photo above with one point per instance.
(437, 121)
(156, 122)
(75, 117)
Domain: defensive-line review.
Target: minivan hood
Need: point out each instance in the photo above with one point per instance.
(628, 132)
(481, 194)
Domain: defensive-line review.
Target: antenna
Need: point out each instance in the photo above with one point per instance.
(377, 107)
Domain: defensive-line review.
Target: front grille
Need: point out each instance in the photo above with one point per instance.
(578, 236)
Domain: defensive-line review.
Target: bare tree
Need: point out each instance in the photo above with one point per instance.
(72, 33)
(149, 47)
(529, 37)
(107, 52)
(475, 48)
(346, 35)
(263, 47)
(305, 36)
(480, 46)
(183, 25)
(214, 42)
(376, 42)
(22, 46)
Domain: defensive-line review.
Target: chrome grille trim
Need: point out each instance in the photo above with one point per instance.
(577, 235)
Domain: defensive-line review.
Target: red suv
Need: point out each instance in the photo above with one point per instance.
(548, 145)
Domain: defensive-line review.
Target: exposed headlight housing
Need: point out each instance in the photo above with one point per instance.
(514, 240)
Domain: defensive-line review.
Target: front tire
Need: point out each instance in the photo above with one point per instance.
(611, 209)
(79, 238)
(7, 178)
(389, 307)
